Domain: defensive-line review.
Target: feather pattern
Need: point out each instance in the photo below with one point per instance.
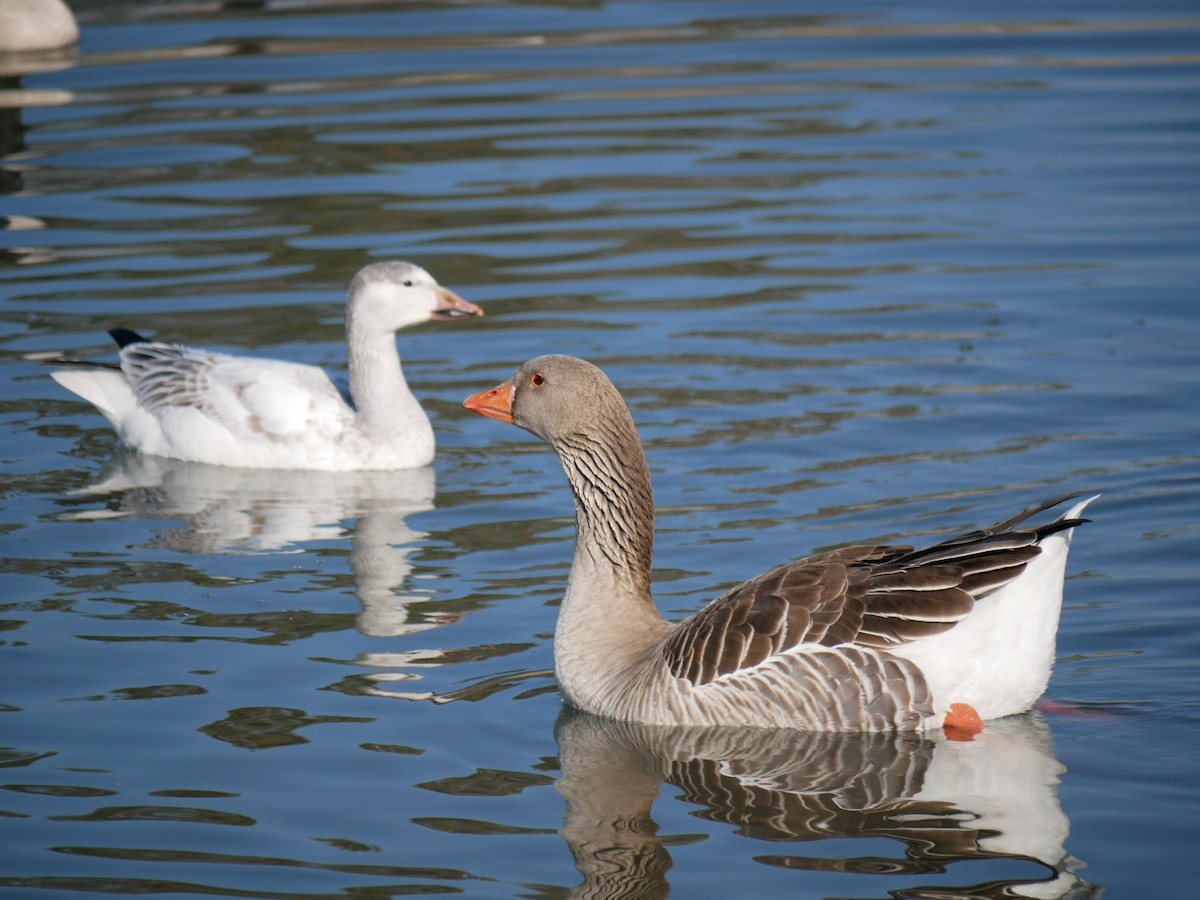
(166, 375)
(192, 404)
(862, 638)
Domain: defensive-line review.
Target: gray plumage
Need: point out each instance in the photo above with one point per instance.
(816, 644)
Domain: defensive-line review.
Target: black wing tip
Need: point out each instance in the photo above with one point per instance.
(63, 362)
(1031, 511)
(1059, 525)
(125, 336)
(974, 541)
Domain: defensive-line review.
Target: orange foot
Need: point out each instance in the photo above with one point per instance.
(962, 722)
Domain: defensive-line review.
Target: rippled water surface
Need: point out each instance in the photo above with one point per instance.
(864, 271)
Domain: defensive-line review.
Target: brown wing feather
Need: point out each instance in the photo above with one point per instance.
(808, 601)
(872, 596)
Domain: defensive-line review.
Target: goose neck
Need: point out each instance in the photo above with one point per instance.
(381, 394)
(614, 509)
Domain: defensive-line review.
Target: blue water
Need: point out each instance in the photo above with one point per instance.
(863, 271)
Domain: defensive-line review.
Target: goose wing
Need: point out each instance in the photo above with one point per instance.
(870, 596)
(265, 398)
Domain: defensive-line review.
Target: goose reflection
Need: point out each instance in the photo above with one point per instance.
(219, 509)
(994, 797)
(35, 36)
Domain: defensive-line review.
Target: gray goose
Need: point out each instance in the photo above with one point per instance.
(863, 638)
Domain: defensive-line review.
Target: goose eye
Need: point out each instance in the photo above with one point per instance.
(538, 379)
(407, 282)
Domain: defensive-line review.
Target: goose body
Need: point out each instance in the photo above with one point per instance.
(864, 638)
(191, 404)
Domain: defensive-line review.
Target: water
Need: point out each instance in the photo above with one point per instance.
(864, 272)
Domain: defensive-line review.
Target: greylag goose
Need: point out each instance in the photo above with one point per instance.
(197, 405)
(864, 638)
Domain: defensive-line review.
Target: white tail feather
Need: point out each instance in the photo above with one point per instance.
(106, 389)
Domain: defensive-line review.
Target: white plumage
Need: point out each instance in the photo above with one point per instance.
(197, 405)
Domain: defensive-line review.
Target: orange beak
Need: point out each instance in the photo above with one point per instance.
(495, 403)
(452, 306)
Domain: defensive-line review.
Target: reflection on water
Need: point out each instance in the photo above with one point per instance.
(991, 798)
(15, 96)
(219, 509)
(222, 509)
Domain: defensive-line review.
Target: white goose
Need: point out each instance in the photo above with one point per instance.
(190, 404)
(865, 638)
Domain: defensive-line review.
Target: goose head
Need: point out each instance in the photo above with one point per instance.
(387, 296)
(573, 407)
(554, 397)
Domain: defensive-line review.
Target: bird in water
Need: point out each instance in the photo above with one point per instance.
(198, 405)
(863, 638)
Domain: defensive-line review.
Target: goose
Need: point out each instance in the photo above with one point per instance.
(33, 26)
(197, 405)
(862, 638)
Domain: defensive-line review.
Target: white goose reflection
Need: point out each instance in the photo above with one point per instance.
(994, 797)
(218, 509)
